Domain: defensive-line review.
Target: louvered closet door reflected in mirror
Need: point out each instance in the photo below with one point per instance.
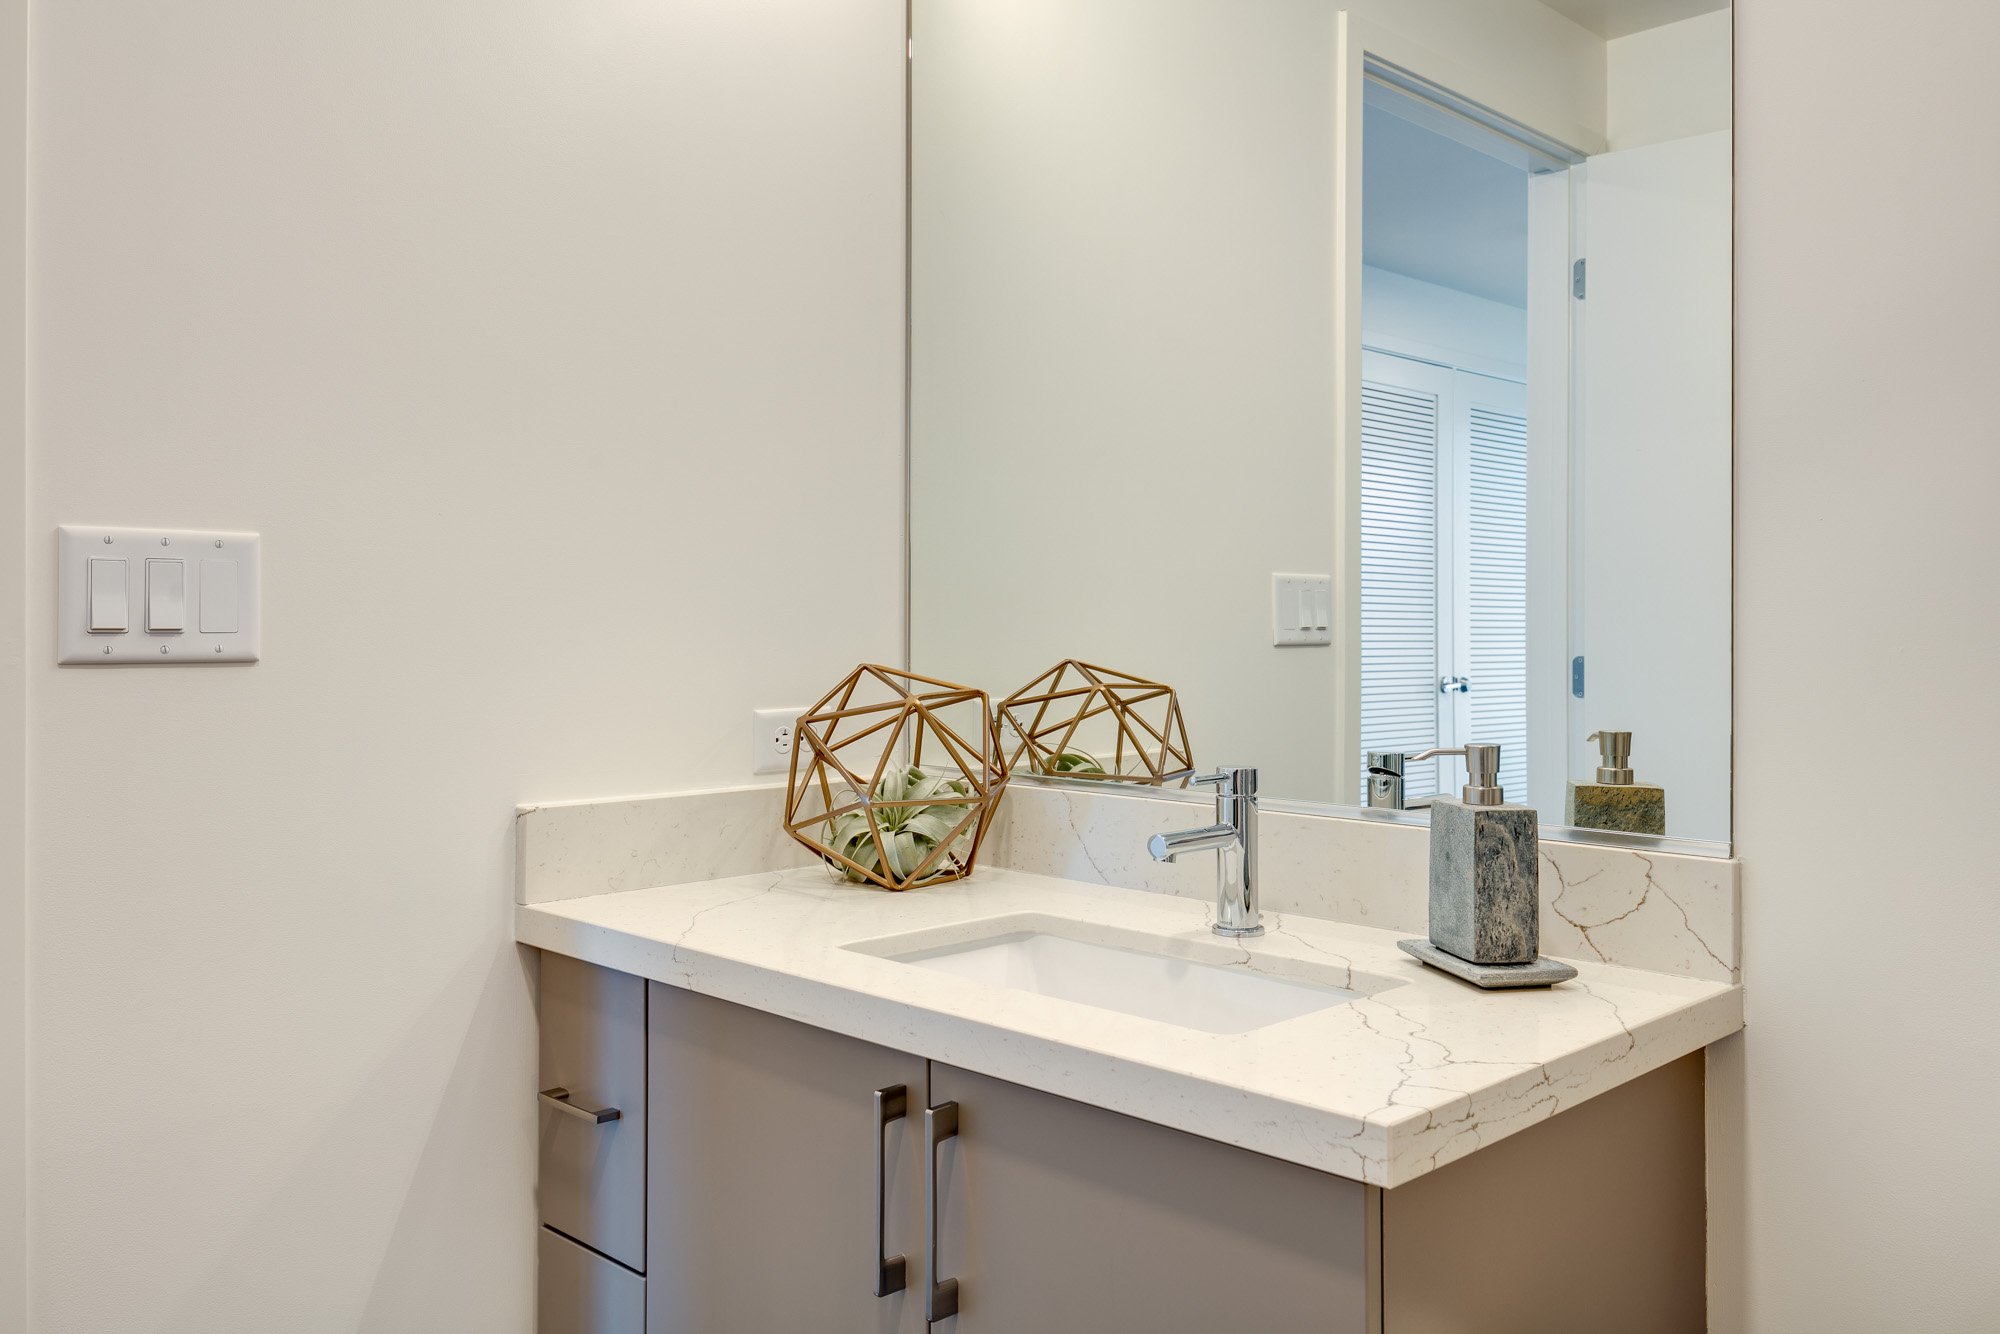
(1443, 566)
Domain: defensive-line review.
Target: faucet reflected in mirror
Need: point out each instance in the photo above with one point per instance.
(1387, 767)
(1233, 839)
(1385, 782)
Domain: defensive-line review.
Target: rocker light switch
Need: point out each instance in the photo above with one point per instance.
(109, 613)
(192, 594)
(166, 597)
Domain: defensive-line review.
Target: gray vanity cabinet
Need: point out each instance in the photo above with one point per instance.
(750, 1149)
(581, 1292)
(1063, 1218)
(762, 1175)
(592, 1182)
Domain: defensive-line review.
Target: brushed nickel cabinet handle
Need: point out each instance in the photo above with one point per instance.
(940, 1124)
(891, 1271)
(559, 1099)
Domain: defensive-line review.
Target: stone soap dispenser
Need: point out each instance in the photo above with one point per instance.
(1486, 900)
(1614, 801)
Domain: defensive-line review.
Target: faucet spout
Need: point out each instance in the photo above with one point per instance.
(1233, 838)
(1209, 838)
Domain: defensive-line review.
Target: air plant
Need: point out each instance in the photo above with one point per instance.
(1074, 762)
(910, 834)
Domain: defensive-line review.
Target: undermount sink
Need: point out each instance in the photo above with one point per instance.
(1047, 957)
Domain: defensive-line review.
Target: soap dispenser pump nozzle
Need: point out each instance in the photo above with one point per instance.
(1482, 772)
(1615, 757)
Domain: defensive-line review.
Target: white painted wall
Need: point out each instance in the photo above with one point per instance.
(13, 696)
(1669, 82)
(1411, 317)
(1518, 57)
(1122, 406)
(1858, 1179)
(551, 347)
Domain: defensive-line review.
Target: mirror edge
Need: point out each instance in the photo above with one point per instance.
(1326, 810)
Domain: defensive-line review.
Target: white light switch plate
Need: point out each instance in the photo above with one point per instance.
(203, 583)
(771, 735)
(1301, 609)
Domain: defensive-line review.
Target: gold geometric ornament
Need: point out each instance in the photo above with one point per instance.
(1062, 723)
(895, 778)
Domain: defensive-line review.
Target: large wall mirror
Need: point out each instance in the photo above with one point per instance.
(1363, 374)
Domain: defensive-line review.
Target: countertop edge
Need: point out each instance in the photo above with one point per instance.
(1380, 1150)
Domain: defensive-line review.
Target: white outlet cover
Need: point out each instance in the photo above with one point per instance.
(1301, 609)
(231, 573)
(771, 733)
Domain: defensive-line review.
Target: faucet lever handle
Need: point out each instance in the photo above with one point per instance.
(1235, 781)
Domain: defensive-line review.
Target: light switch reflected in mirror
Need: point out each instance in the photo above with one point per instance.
(1208, 292)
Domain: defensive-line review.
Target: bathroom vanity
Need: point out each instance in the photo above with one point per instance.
(1326, 373)
(810, 1077)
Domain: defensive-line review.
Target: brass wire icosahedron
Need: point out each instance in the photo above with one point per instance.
(893, 784)
(1046, 721)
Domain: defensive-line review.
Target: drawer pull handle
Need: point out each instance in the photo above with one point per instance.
(940, 1124)
(559, 1099)
(891, 1271)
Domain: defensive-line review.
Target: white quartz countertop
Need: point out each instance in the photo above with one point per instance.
(1421, 1071)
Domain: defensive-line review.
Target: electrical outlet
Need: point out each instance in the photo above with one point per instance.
(771, 739)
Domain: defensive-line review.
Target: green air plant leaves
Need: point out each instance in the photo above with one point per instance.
(909, 833)
(1076, 762)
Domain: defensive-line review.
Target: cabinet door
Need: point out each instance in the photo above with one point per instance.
(592, 1186)
(762, 1175)
(1057, 1217)
(1605, 1210)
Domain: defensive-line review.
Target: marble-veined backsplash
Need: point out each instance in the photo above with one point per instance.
(1642, 908)
(1668, 912)
(573, 849)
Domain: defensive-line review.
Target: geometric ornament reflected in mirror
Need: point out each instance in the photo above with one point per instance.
(894, 784)
(1077, 720)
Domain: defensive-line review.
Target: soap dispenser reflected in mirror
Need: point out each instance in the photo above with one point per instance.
(1615, 801)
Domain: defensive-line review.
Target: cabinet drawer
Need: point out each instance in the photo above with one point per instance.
(593, 1174)
(581, 1292)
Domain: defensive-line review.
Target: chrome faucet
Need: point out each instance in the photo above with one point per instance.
(1385, 779)
(1234, 831)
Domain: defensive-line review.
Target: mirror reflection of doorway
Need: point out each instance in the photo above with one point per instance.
(1444, 446)
(1444, 564)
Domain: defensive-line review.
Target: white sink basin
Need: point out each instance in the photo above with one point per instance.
(1212, 997)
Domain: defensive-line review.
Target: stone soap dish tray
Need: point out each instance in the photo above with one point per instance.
(1543, 972)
